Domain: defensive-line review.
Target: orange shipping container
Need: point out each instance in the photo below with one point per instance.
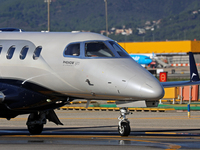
(186, 93)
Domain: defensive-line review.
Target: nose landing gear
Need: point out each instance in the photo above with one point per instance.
(124, 124)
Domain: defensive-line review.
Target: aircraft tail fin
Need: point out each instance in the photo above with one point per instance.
(194, 76)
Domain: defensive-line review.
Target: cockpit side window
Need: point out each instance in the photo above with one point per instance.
(119, 49)
(97, 49)
(10, 52)
(72, 50)
(37, 52)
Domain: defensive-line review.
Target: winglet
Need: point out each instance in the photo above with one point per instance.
(194, 76)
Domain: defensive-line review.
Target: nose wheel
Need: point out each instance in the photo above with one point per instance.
(124, 124)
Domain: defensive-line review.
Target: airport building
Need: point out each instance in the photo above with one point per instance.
(163, 47)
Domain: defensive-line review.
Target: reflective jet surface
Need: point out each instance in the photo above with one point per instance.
(43, 71)
(141, 59)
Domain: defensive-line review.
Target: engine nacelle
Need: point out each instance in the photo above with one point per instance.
(16, 97)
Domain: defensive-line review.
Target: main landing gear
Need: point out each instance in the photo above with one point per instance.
(36, 121)
(124, 124)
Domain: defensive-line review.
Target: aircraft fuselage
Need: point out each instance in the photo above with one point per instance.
(43, 64)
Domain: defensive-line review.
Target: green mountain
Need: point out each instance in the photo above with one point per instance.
(184, 26)
(68, 15)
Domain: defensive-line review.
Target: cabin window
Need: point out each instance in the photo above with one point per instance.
(72, 50)
(37, 52)
(23, 52)
(10, 52)
(119, 49)
(0, 49)
(97, 49)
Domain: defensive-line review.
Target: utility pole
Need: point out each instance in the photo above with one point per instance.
(153, 36)
(106, 17)
(184, 34)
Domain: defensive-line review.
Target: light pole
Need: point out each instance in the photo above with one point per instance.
(48, 15)
(48, 11)
(106, 17)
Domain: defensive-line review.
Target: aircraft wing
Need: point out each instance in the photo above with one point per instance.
(178, 83)
(194, 76)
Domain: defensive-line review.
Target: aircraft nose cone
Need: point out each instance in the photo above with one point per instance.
(149, 61)
(152, 90)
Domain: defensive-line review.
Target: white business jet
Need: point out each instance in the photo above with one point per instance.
(40, 72)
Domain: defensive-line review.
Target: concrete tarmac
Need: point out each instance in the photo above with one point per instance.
(98, 130)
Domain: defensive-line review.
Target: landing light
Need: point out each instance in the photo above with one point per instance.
(48, 100)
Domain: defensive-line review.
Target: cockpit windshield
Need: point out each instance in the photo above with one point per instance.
(119, 49)
(97, 49)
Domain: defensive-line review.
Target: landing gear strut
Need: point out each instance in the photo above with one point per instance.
(124, 124)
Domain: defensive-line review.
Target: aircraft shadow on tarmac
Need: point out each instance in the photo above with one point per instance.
(104, 130)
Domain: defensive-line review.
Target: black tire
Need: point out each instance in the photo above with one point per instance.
(125, 129)
(35, 129)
